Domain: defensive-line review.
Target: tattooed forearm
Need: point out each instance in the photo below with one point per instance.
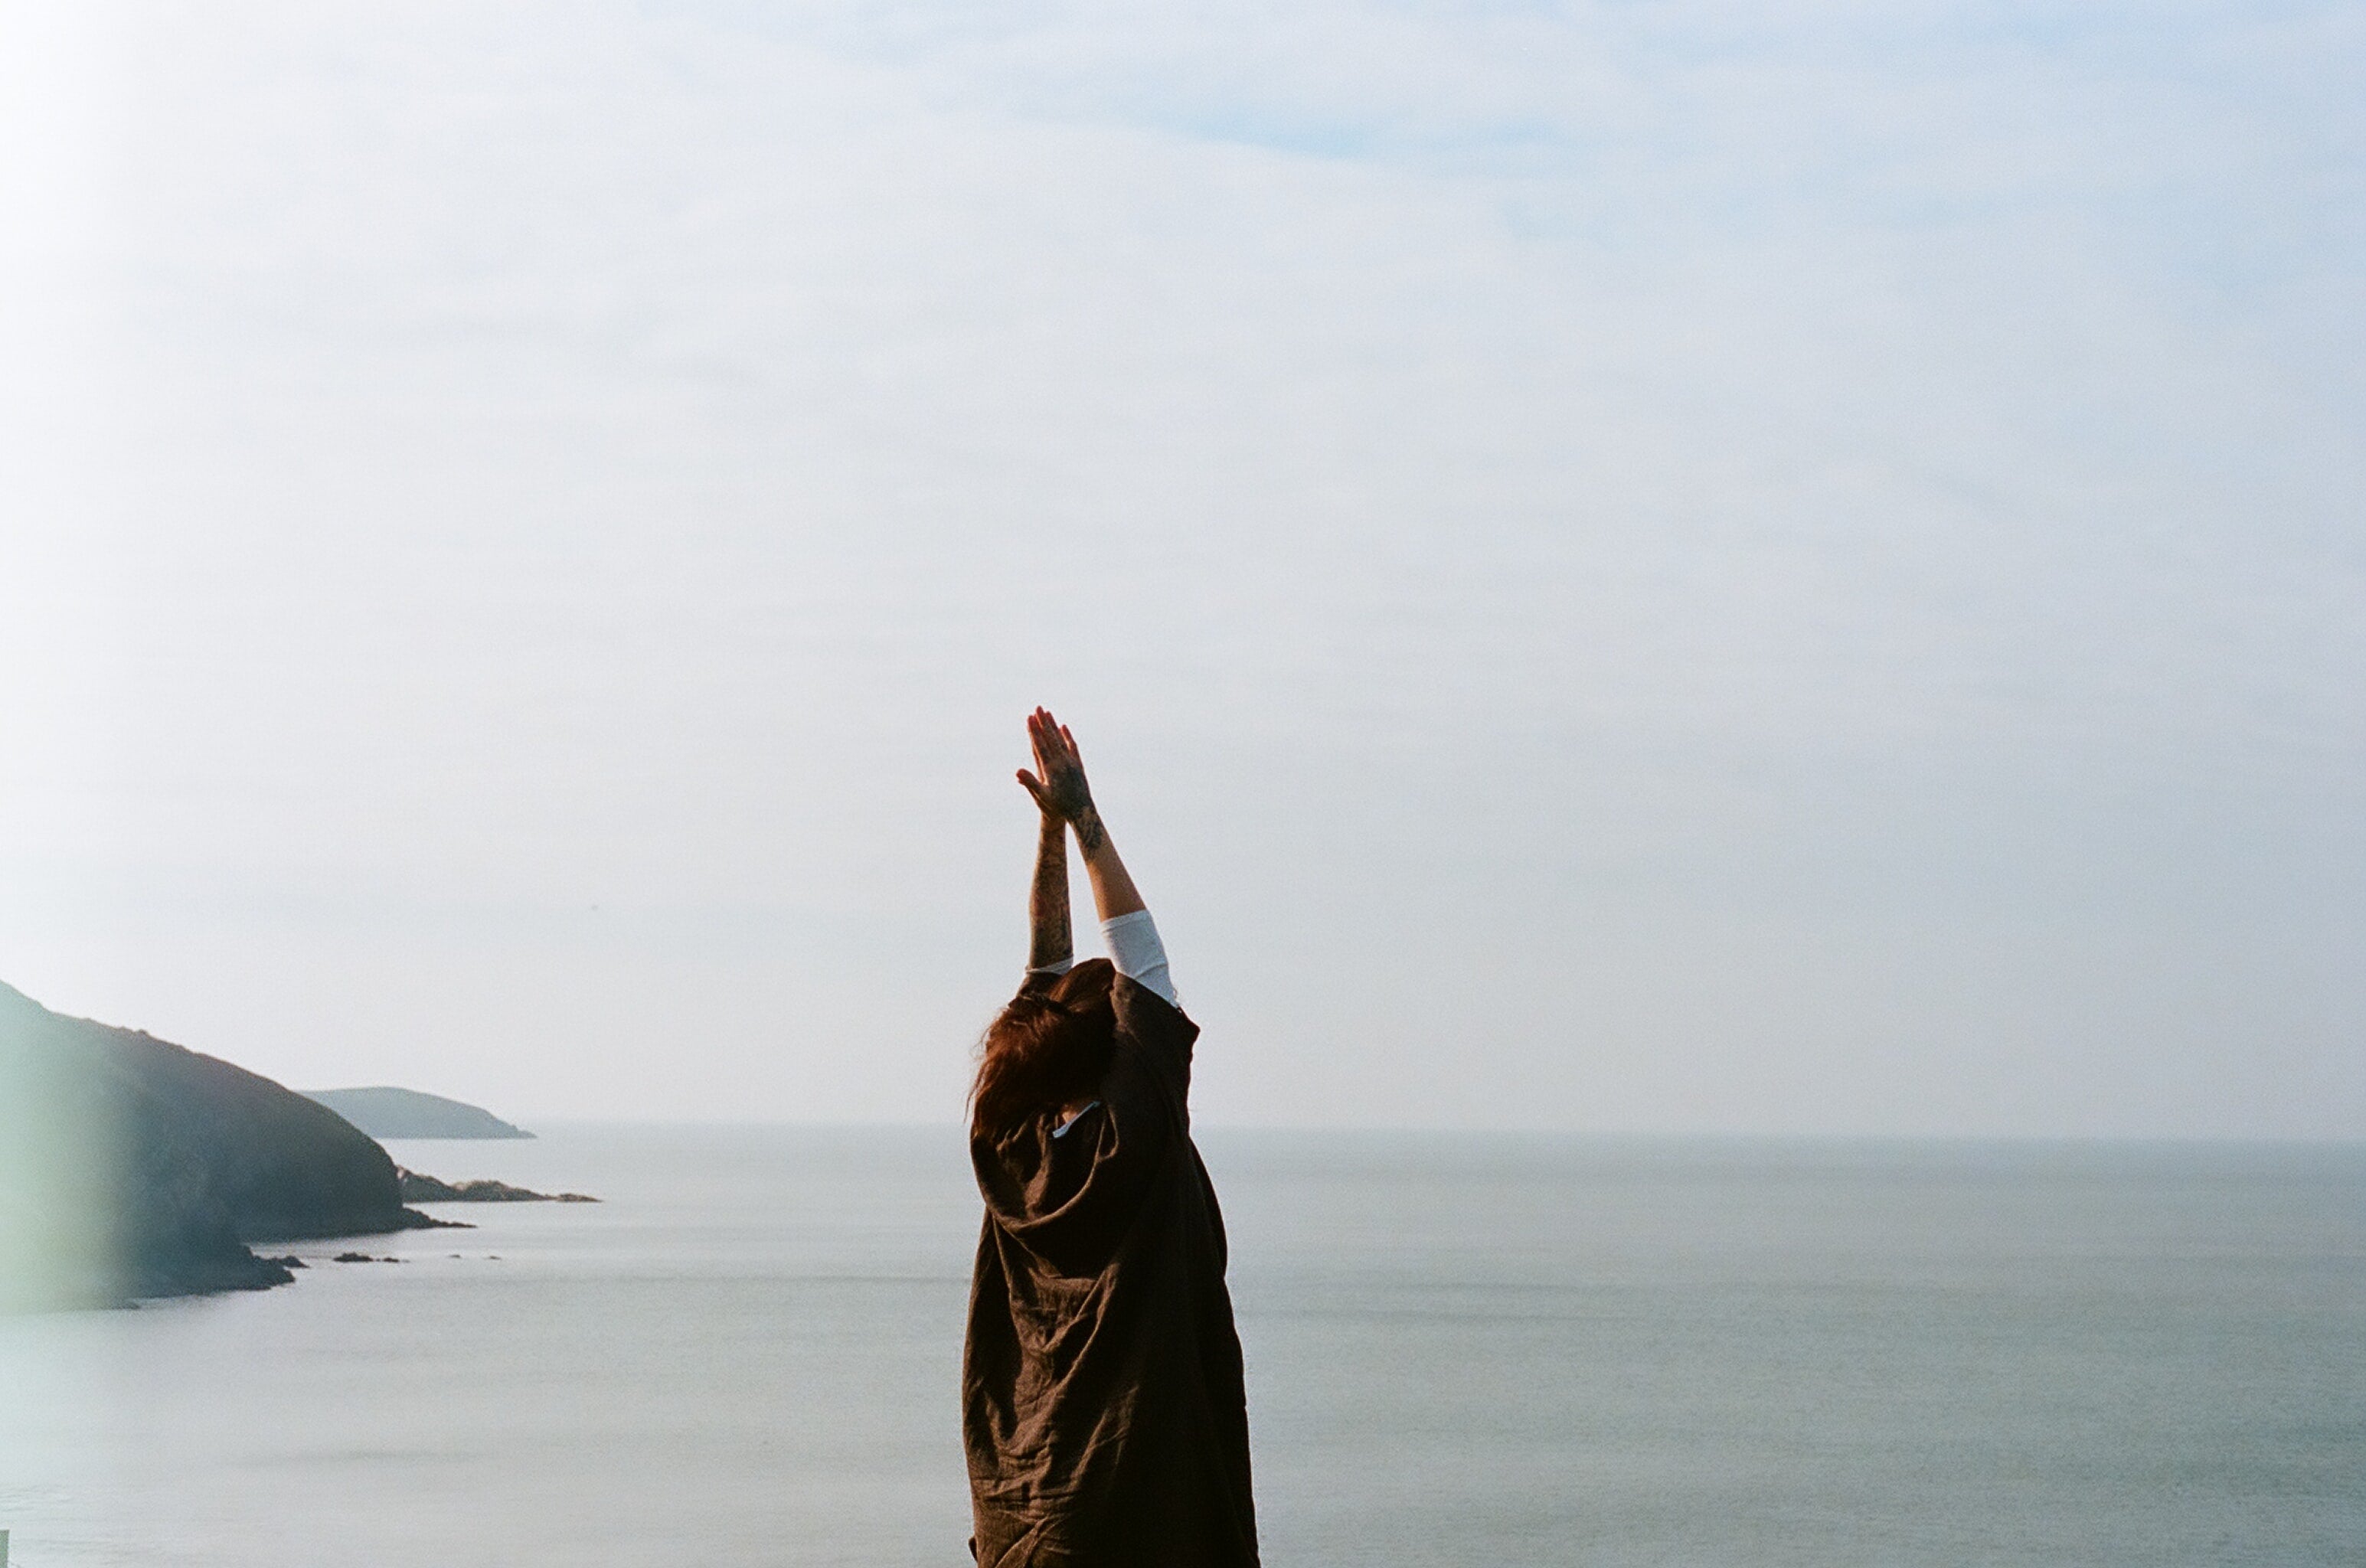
(1113, 891)
(1050, 940)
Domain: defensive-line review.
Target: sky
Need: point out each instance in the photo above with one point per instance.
(1785, 569)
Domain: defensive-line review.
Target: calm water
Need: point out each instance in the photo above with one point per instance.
(1461, 1350)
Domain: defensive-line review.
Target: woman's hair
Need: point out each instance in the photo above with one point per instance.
(1050, 1045)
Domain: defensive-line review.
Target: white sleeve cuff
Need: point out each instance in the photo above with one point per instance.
(1138, 953)
(1062, 967)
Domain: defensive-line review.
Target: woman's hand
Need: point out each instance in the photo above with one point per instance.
(1064, 795)
(1061, 791)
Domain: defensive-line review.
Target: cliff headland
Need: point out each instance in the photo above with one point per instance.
(131, 1167)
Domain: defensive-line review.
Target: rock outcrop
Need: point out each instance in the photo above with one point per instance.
(130, 1166)
(417, 1188)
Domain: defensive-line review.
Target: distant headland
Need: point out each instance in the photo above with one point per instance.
(385, 1112)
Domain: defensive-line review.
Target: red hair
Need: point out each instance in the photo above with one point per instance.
(1050, 1046)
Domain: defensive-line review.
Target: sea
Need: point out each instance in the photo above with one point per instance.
(1469, 1348)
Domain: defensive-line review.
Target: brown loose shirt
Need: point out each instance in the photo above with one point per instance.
(1102, 1404)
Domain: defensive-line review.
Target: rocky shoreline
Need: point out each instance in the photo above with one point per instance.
(417, 1188)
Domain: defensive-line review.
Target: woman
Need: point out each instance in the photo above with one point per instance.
(1101, 1381)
